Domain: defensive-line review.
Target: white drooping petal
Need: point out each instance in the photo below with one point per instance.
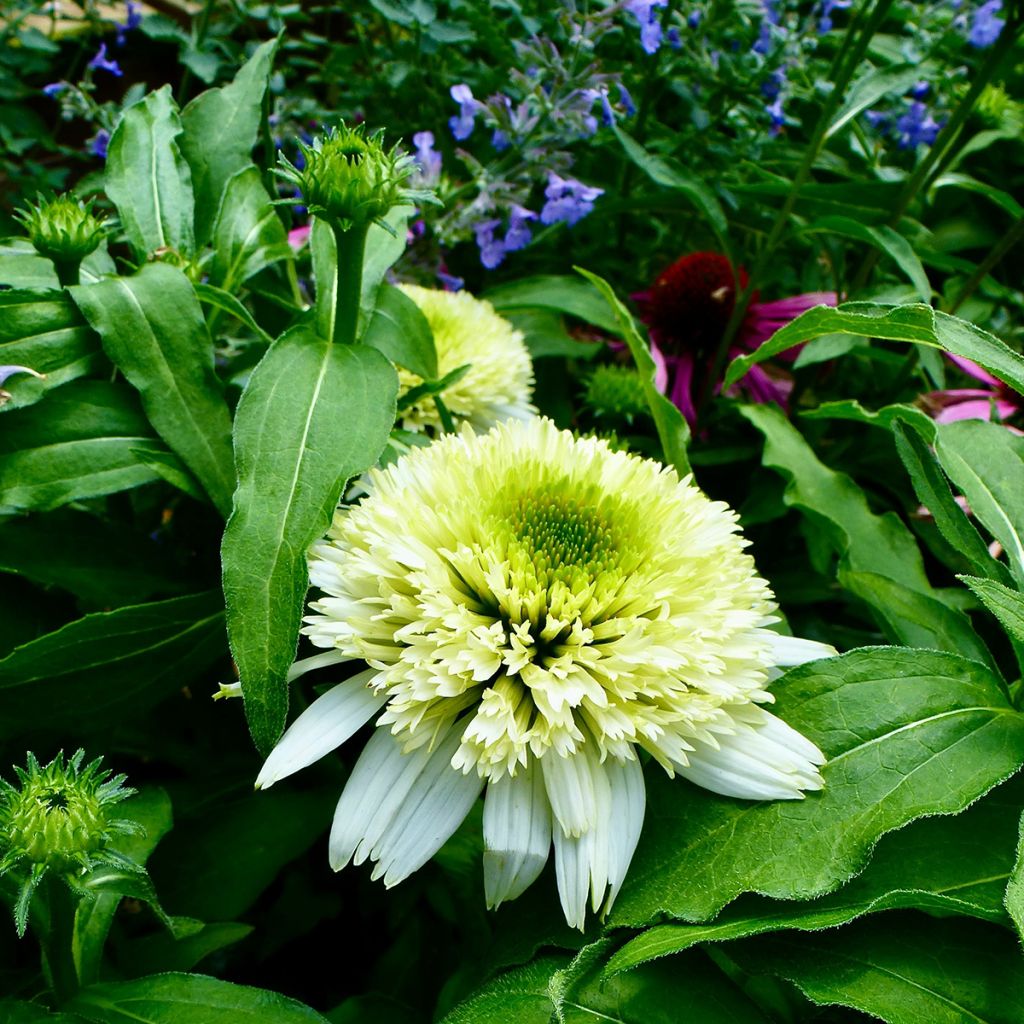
(569, 782)
(300, 668)
(324, 725)
(793, 650)
(433, 809)
(628, 802)
(517, 834)
(765, 759)
(379, 782)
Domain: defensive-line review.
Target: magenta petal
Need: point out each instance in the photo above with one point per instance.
(298, 237)
(792, 307)
(972, 369)
(762, 388)
(681, 397)
(975, 409)
(660, 369)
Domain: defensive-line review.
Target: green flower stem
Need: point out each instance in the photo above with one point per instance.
(58, 946)
(941, 152)
(351, 247)
(67, 272)
(852, 50)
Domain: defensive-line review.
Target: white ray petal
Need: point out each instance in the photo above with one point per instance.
(793, 650)
(335, 657)
(570, 787)
(767, 761)
(629, 801)
(433, 809)
(572, 870)
(324, 725)
(379, 782)
(517, 834)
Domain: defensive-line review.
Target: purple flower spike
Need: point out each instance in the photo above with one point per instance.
(626, 100)
(492, 250)
(427, 157)
(645, 12)
(132, 22)
(916, 126)
(567, 200)
(99, 142)
(462, 124)
(986, 26)
(607, 114)
(518, 235)
(101, 63)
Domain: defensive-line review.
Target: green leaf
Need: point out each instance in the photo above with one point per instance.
(956, 865)
(324, 255)
(383, 248)
(152, 327)
(545, 334)
(870, 202)
(187, 999)
(248, 235)
(675, 178)
(101, 563)
(519, 996)
(887, 240)
(14, 1011)
(903, 968)
(147, 178)
(163, 952)
(220, 129)
(109, 664)
(1015, 886)
(866, 543)
(886, 417)
(913, 323)
(82, 440)
(984, 461)
(908, 733)
(45, 331)
(151, 808)
(568, 295)
(1002, 199)
(673, 431)
(399, 330)
(933, 492)
(870, 87)
(1005, 604)
(209, 295)
(312, 416)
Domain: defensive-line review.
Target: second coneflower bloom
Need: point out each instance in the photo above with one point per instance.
(687, 309)
(537, 614)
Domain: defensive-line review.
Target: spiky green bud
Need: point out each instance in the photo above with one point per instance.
(350, 180)
(62, 228)
(616, 392)
(58, 820)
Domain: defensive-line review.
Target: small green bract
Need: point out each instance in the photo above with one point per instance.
(62, 228)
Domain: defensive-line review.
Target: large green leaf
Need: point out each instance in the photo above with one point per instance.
(147, 178)
(956, 865)
(220, 129)
(985, 462)
(913, 323)
(248, 234)
(108, 664)
(43, 330)
(870, 87)
(519, 996)
(879, 558)
(187, 999)
(83, 440)
(152, 327)
(15, 1011)
(569, 295)
(384, 245)
(402, 333)
(673, 430)
(907, 733)
(1015, 886)
(902, 968)
(312, 416)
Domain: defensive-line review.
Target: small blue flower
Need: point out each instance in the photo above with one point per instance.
(673, 38)
(567, 199)
(916, 126)
(827, 7)
(607, 114)
(54, 89)
(694, 18)
(492, 250)
(645, 12)
(986, 26)
(778, 118)
(518, 235)
(626, 100)
(772, 85)
(101, 63)
(879, 120)
(427, 157)
(920, 90)
(134, 19)
(99, 142)
(500, 140)
(462, 124)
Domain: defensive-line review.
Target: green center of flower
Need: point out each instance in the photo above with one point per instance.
(562, 537)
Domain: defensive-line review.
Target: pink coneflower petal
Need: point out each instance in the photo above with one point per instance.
(975, 409)
(681, 397)
(763, 388)
(660, 369)
(972, 369)
(763, 319)
(298, 237)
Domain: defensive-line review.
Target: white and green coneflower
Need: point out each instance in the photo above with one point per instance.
(467, 331)
(535, 610)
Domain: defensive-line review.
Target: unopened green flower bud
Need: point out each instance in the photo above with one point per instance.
(350, 180)
(62, 228)
(60, 816)
(616, 392)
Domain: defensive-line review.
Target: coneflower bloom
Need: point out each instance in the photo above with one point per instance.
(687, 309)
(468, 332)
(536, 613)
